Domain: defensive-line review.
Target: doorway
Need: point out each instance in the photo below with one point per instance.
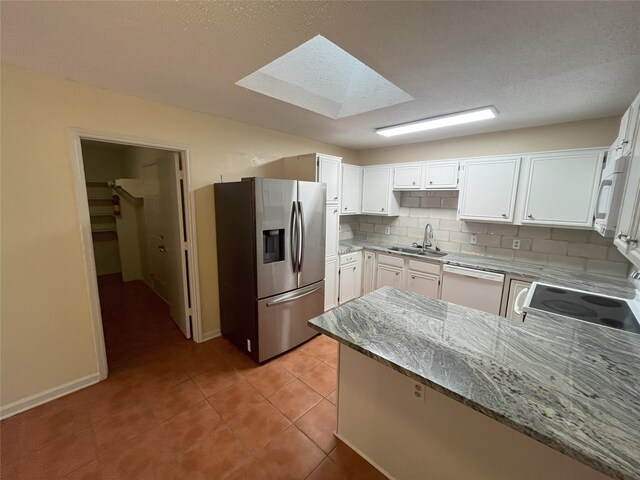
(139, 244)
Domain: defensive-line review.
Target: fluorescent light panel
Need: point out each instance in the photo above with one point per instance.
(485, 113)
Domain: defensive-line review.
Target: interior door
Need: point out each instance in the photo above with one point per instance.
(311, 198)
(154, 235)
(171, 227)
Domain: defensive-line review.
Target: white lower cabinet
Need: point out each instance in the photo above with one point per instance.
(389, 276)
(331, 283)
(350, 277)
(515, 287)
(369, 273)
(423, 284)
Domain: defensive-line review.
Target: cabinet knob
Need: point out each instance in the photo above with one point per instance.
(624, 142)
(335, 198)
(345, 208)
(529, 216)
(354, 269)
(413, 276)
(397, 273)
(504, 215)
(335, 211)
(430, 182)
(622, 235)
(414, 182)
(382, 210)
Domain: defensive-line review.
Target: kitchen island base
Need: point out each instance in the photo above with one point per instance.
(410, 431)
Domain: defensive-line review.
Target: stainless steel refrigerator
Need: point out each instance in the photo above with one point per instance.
(271, 244)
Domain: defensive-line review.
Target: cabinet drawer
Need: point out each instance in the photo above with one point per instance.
(390, 261)
(348, 258)
(424, 267)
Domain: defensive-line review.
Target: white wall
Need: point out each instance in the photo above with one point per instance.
(46, 333)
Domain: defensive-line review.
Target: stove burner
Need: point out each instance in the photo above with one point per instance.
(556, 290)
(601, 301)
(570, 308)
(612, 322)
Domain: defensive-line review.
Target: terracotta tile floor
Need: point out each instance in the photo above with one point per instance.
(174, 409)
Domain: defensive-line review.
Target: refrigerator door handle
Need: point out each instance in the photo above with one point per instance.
(301, 235)
(293, 250)
(288, 297)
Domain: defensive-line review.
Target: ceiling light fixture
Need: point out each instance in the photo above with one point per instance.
(484, 113)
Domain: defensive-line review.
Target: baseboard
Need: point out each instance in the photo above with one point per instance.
(359, 452)
(18, 406)
(209, 335)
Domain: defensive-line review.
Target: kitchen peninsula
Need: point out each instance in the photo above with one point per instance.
(572, 386)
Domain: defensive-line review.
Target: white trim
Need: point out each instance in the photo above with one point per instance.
(359, 452)
(18, 406)
(209, 335)
(82, 205)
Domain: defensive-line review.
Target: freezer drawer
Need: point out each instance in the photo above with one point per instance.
(282, 319)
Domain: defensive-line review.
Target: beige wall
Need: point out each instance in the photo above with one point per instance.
(589, 133)
(46, 337)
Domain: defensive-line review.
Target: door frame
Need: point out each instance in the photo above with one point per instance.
(76, 135)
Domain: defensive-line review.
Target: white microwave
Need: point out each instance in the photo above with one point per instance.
(610, 192)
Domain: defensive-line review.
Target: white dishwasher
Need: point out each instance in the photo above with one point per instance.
(472, 288)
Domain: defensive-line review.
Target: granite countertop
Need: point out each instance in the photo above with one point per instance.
(568, 384)
(565, 277)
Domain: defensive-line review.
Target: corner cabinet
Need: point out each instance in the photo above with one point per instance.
(488, 189)
(351, 189)
(378, 197)
(560, 188)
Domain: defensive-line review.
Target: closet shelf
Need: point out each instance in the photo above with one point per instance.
(104, 236)
(95, 229)
(102, 215)
(102, 198)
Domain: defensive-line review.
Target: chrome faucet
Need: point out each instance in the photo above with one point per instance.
(428, 235)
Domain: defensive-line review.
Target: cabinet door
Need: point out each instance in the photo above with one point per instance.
(329, 173)
(488, 189)
(351, 189)
(376, 185)
(515, 287)
(331, 283)
(350, 276)
(628, 134)
(369, 273)
(442, 175)
(331, 231)
(407, 177)
(389, 276)
(426, 285)
(561, 189)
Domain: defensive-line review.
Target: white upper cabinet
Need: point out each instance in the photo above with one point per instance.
(315, 167)
(560, 188)
(331, 231)
(378, 197)
(627, 135)
(407, 176)
(627, 238)
(351, 196)
(329, 172)
(488, 189)
(441, 175)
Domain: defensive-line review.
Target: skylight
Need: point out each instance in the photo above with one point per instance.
(321, 77)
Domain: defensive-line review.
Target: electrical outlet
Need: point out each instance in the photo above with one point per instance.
(516, 244)
(474, 239)
(418, 392)
(387, 230)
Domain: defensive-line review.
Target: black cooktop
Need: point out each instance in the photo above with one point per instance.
(598, 309)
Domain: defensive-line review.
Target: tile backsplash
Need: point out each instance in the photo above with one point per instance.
(577, 249)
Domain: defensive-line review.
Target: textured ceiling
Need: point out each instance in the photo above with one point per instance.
(537, 62)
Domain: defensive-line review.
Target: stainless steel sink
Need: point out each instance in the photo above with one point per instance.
(419, 251)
